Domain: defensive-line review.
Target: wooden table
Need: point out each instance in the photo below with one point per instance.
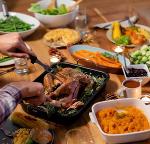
(112, 9)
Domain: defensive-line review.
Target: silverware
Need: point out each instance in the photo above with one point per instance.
(130, 22)
(4, 8)
(99, 13)
(125, 64)
(34, 59)
(111, 24)
(6, 71)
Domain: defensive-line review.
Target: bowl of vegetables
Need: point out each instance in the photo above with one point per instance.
(24, 24)
(52, 15)
(141, 55)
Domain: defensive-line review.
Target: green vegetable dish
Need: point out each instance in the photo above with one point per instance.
(36, 8)
(14, 24)
(141, 56)
(4, 59)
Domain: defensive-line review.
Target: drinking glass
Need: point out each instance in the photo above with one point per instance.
(81, 21)
(77, 136)
(21, 65)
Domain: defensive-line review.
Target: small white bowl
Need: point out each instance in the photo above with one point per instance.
(127, 137)
(26, 18)
(55, 21)
(144, 80)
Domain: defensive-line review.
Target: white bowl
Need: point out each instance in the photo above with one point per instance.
(127, 137)
(144, 80)
(55, 21)
(26, 18)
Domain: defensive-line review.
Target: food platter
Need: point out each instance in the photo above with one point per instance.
(61, 37)
(9, 127)
(66, 116)
(91, 64)
(109, 33)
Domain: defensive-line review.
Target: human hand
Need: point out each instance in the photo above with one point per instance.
(9, 43)
(31, 92)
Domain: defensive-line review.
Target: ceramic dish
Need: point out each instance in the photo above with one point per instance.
(26, 18)
(109, 33)
(90, 63)
(55, 21)
(144, 80)
(127, 137)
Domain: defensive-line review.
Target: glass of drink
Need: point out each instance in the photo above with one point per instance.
(78, 136)
(21, 65)
(81, 22)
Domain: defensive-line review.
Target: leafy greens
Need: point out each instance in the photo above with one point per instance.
(36, 8)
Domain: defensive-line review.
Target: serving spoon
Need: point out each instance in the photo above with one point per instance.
(70, 8)
(4, 8)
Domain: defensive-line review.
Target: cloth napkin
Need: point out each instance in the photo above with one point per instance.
(123, 23)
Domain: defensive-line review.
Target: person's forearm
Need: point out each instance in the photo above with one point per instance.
(9, 98)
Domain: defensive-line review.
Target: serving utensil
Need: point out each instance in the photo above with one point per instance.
(130, 22)
(70, 8)
(125, 64)
(53, 4)
(34, 59)
(99, 13)
(4, 8)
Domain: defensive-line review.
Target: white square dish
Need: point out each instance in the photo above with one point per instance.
(127, 137)
(144, 80)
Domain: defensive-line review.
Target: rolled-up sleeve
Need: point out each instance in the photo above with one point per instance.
(9, 97)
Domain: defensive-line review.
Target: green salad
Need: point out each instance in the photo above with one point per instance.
(14, 24)
(36, 8)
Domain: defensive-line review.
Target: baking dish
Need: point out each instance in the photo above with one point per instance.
(66, 118)
(127, 137)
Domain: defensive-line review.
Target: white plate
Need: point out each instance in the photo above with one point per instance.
(26, 18)
(109, 33)
(7, 63)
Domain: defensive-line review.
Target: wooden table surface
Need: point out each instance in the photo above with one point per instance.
(112, 9)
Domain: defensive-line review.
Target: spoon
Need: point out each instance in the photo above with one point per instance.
(4, 8)
(125, 64)
(53, 4)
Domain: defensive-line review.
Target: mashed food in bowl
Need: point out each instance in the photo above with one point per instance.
(122, 120)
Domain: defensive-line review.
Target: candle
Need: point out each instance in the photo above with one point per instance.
(119, 49)
(54, 59)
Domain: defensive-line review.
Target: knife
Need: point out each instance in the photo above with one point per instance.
(124, 22)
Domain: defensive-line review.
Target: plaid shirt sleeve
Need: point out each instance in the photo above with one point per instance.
(9, 98)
